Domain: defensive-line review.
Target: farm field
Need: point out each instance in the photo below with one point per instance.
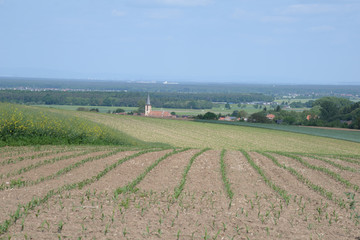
(336, 133)
(181, 180)
(218, 136)
(181, 193)
(218, 108)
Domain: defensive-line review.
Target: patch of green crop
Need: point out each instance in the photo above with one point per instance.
(23, 125)
(353, 136)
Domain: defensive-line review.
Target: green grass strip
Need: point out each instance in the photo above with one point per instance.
(179, 189)
(282, 192)
(328, 172)
(23, 209)
(339, 166)
(131, 186)
(20, 183)
(322, 191)
(223, 175)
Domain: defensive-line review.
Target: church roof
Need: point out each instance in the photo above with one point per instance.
(159, 114)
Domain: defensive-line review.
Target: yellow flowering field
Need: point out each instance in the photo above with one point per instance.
(23, 125)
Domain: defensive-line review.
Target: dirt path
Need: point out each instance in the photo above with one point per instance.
(13, 197)
(167, 175)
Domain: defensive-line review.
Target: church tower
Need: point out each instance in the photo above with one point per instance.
(147, 106)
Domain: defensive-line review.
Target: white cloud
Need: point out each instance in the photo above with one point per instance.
(118, 13)
(184, 2)
(277, 19)
(310, 9)
(321, 29)
(164, 13)
(240, 13)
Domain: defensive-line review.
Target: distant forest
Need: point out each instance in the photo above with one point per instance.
(311, 91)
(129, 99)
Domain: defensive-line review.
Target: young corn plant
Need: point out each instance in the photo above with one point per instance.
(179, 189)
(224, 177)
(276, 188)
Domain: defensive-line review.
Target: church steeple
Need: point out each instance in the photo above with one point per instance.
(148, 100)
(147, 106)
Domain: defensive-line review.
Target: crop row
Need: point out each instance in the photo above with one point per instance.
(23, 210)
(131, 185)
(46, 162)
(328, 161)
(179, 189)
(21, 158)
(328, 172)
(322, 191)
(225, 179)
(282, 192)
(20, 183)
(130, 188)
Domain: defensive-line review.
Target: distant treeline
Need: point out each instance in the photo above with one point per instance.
(311, 91)
(128, 99)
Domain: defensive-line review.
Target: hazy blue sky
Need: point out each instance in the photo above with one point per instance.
(277, 41)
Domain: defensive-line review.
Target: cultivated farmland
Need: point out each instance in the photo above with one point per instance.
(90, 192)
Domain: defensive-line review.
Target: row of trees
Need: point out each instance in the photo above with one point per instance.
(127, 99)
(327, 111)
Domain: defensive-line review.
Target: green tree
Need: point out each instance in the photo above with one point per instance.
(227, 106)
(259, 117)
(328, 110)
(242, 114)
(141, 106)
(210, 116)
(120, 110)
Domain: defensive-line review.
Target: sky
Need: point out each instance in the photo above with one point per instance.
(244, 41)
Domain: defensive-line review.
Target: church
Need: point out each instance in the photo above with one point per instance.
(150, 113)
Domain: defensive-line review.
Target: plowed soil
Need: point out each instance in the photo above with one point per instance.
(50, 169)
(202, 211)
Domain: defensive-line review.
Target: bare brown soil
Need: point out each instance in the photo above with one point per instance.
(317, 177)
(345, 163)
(11, 198)
(310, 198)
(23, 156)
(167, 175)
(49, 169)
(202, 211)
(352, 177)
(11, 168)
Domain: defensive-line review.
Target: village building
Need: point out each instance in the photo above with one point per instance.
(150, 113)
(270, 116)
